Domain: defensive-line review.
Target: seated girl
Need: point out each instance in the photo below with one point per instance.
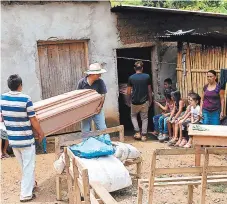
(161, 128)
(178, 111)
(195, 115)
(178, 124)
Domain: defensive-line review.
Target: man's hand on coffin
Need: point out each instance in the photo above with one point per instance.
(100, 105)
(98, 110)
(37, 128)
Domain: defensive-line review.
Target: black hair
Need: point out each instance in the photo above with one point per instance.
(191, 92)
(195, 97)
(176, 97)
(167, 93)
(167, 96)
(14, 81)
(168, 81)
(213, 72)
(138, 65)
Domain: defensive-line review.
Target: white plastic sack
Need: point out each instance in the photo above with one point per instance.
(125, 151)
(59, 164)
(108, 171)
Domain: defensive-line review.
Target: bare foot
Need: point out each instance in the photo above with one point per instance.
(183, 142)
(178, 143)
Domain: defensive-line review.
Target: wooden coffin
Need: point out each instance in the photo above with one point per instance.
(61, 111)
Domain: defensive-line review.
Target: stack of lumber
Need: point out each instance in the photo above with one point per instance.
(61, 111)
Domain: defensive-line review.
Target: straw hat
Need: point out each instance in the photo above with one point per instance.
(95, 69)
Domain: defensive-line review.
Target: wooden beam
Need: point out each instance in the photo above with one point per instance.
(103, 193)
(160, 171)
(105, 131)
(176, 151)
(54, 42)
(137, 45)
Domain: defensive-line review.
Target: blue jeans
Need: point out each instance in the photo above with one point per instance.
(163, 127)
(211, 117)
(99, 120)
(155, 121)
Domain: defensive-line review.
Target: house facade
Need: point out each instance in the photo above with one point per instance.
(51, 44)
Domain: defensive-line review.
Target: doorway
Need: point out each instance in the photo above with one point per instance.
(125, 67)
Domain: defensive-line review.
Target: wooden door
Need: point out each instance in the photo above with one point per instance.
(62, 65)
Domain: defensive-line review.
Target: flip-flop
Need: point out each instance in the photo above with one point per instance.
(28, 199)
(6, 156)
(187, 146)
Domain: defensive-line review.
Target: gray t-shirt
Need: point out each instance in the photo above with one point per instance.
(98, 85)
(139, 83)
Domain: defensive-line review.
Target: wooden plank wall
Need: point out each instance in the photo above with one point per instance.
(62, 65)
(191, 72)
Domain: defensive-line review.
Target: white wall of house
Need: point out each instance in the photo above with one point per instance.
(25, 23)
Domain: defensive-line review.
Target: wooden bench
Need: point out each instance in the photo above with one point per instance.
(65, 141)
(79, 184)
(196, 179)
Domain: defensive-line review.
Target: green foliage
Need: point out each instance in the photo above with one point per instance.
(216, 6)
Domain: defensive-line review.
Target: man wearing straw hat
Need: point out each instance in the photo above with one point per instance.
(93, 81)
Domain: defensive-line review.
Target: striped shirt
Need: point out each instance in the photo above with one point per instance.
(16, 109)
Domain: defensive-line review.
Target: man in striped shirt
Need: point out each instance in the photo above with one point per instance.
(19, 118)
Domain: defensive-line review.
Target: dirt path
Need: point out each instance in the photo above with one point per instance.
(45, 176)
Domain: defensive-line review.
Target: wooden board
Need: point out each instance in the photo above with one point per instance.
(212, 130)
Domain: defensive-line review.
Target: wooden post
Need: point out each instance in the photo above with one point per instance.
(57, 147)
(69, 179)
(139, 195)
(180, 72)
(197, 155)
(58, 188)
(86, 186)
(188, 58)
(138, 169)
(121, 134)
(151, 179)
(77, 198)
(204, 178)
(190, 194)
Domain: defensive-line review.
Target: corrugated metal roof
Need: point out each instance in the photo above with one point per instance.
(167, 10)
(207, 38)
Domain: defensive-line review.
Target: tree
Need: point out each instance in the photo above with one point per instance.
(216, 6)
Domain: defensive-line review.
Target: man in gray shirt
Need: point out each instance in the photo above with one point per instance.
(139, 87)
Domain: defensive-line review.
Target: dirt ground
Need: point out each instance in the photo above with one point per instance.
(45, 176)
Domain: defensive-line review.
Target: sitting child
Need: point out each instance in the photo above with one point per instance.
(195, 114)
(178, 124)
(160, 126)
(178, 111)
